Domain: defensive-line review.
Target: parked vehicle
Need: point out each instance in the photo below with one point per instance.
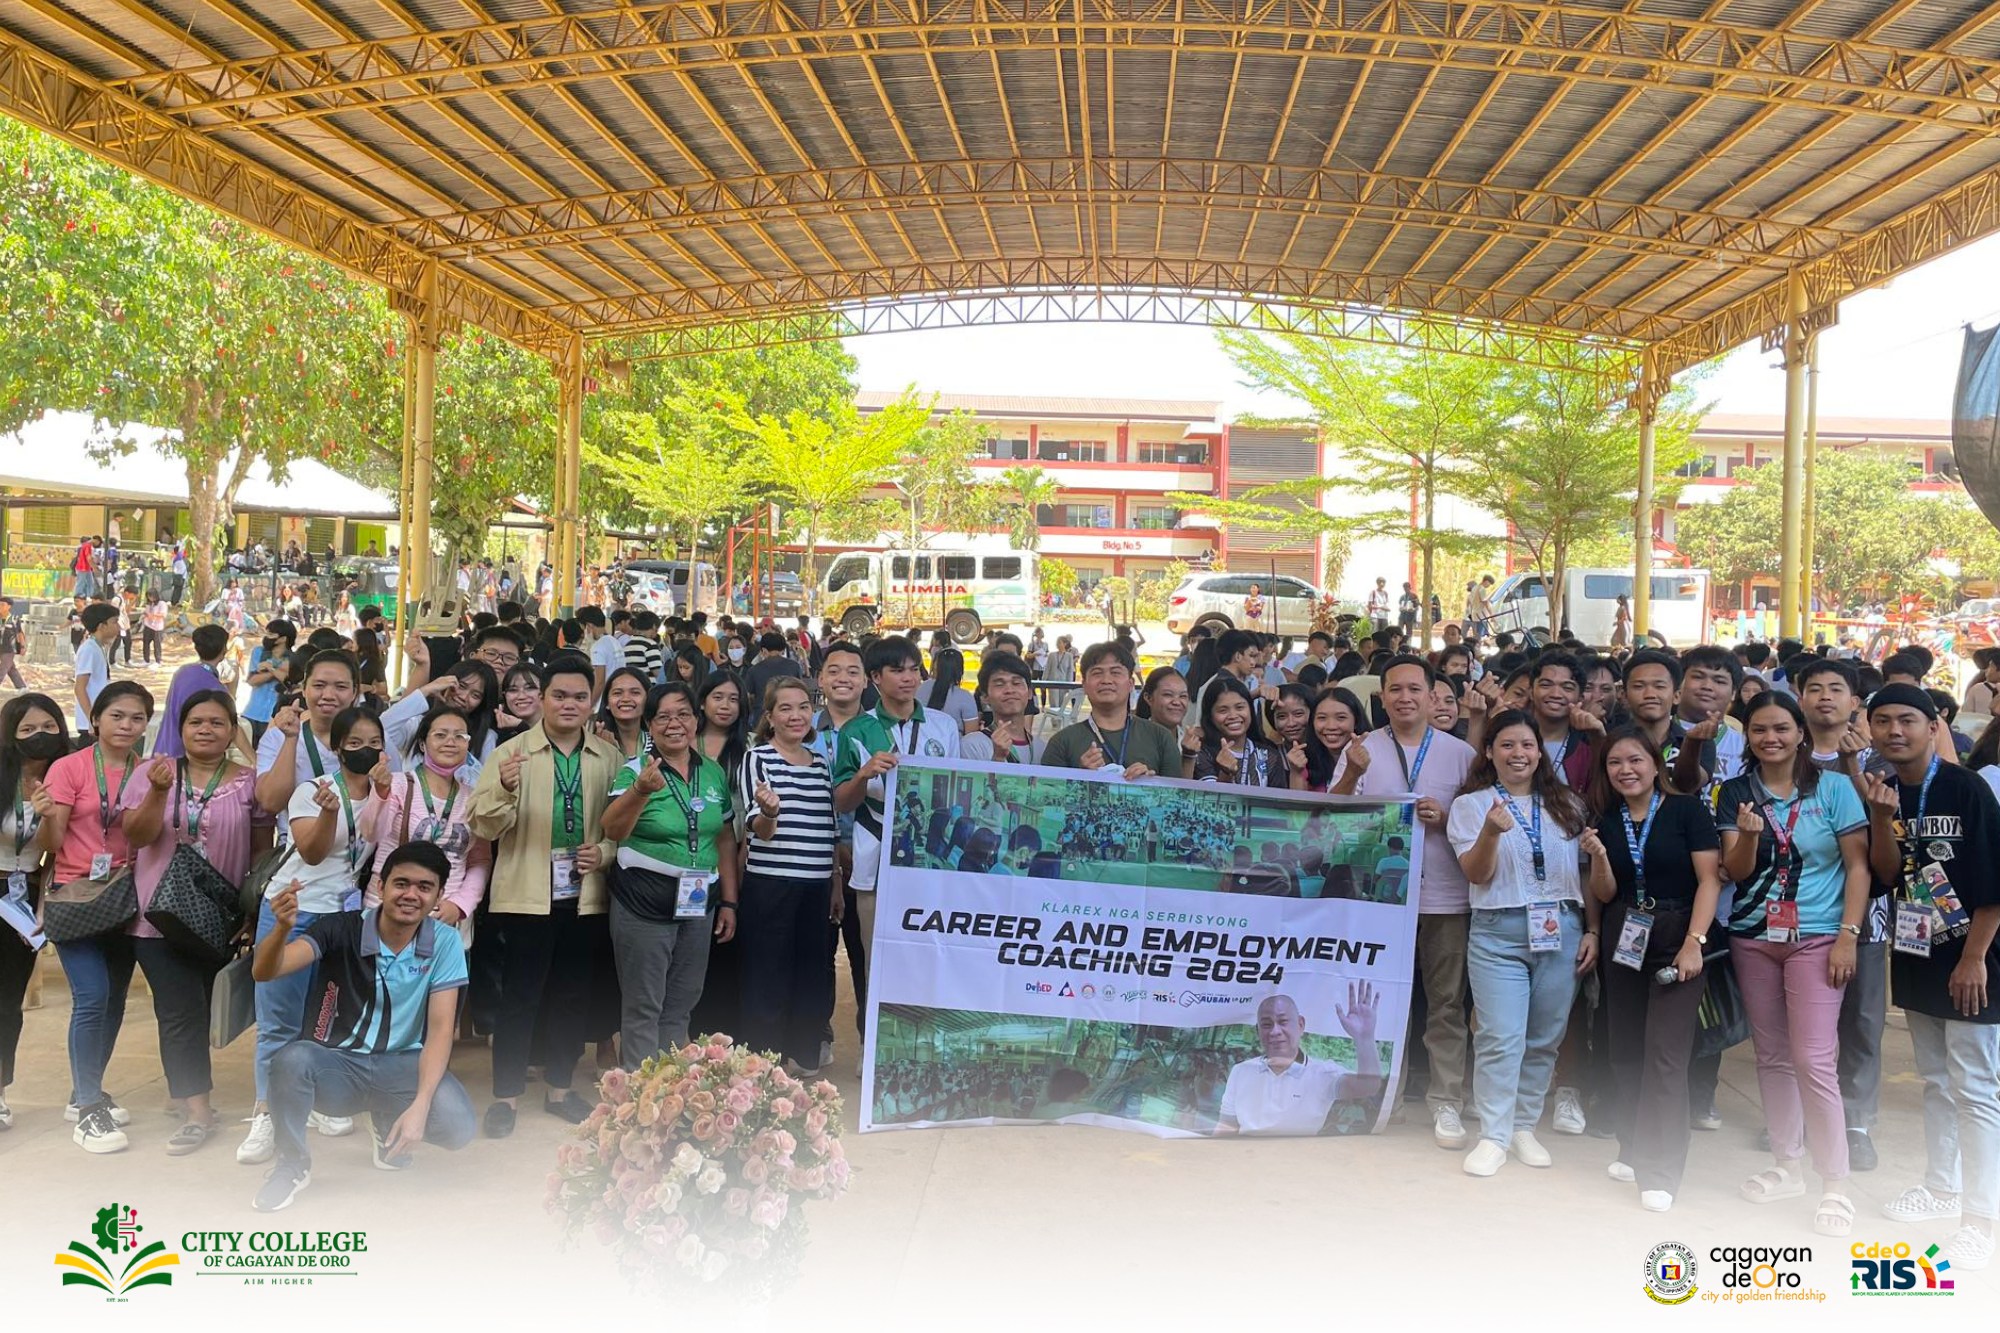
(959, 591)
(1217, 600)
(1590, 604)
(661, 586)
(370, 580)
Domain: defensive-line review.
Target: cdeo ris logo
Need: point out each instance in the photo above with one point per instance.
(1894, 1270)
(116, 1232)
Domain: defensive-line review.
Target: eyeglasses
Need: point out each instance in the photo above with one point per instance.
(449, 736)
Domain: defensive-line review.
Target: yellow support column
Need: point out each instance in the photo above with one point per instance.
(399, 618)
(1806, 537)
(1792, 527)
(423, 321)
(1648, 402)
(569, 541)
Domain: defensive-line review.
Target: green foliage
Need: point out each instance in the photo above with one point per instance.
(1023, 490)
(935, 481)
(1873, 536)
(1150, 592)
(1058, 578)
(679, 467)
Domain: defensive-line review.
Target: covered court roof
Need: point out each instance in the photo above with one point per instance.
(1600, 176)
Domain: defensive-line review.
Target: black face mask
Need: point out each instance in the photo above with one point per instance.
(43, 746)
(360, 761)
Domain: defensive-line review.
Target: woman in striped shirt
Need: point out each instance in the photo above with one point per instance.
(789, 898)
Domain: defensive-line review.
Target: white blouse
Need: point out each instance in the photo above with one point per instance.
(1514, 883)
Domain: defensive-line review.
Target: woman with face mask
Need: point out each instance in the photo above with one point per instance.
(32, 736)
(81, 806)
(330, 820)
(270, 667)
(203, 801)
(738, 650)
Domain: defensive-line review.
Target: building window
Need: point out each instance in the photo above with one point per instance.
(1194, 453)
(1157, 518)
(1071, 451)
(1700, 466)
(1007, 449)
(48, 523)
(1073, 516)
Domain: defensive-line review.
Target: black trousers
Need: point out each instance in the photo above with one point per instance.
(781, 927)
(849, 933)
(181, 986)
(1652, 1034)
(483, 966)
(17, 965)
(547, 966)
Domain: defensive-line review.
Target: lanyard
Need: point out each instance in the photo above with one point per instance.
(430, 805)
(686, 803)
(1916, 829)
(1412, 770)
(25, 823)
(106, 805)
(312, 750)
(569, 789)
(1635, 843)
(1781, 837)
(1124, 740)
(195, 809)
(1532, 826)
(1252, 754)
(890, 724)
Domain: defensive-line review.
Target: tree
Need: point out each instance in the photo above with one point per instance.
(683, 484)
(1565, 467)
(1024, 490)
(1872, 535)
(1058, 578)
(143, 309)
(824, 464)
(1403, 419)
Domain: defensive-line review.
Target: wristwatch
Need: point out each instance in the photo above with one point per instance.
(1851, 930)
(1702, 940)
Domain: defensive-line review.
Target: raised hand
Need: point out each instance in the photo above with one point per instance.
(1295, 757)
(1357, 756)
(416, 652)
(1705, 729)
(1585, 721)
(1357, 1020)
(1881, 797)
(287, 721)
(510, 771)
(325, 797)
(767, 800)
(1590, 844)
(1093, 757)
(1476, 702)
(1498, 818)
(160, 772)
(1225, 759)
(650, 779)
(285, 909)
(1748, 821)
(1852, 741)
(379, 776)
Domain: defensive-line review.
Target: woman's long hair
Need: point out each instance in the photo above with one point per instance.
(1203, 663)
(479, 723)
(11, 714)
(947, 670)
(1564, 806)
(1985, 751)
(1805, 773)
(1602, 796)
(1298, 694)
(1320, 761)
(735, 745)
(1153, 680)
(604, 718)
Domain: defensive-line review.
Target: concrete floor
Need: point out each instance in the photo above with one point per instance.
(1002, 1227)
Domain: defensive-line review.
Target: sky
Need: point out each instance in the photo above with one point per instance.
(1894, 353)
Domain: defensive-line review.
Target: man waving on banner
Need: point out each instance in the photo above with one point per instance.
(1284, 1091)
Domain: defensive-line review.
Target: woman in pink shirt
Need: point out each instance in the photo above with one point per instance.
(429, 804)
(203, 801)
(81, 807)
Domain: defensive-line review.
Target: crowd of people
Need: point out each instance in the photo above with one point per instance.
(642, 829)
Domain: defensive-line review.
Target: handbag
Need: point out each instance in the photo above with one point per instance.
(195, 907)
(251, 896)
(1721, 1019)
(233, 1007)
(86, 908)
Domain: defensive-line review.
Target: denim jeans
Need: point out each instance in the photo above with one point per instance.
(306, 1076)
(1960, 1066)
(1520, 1002)
(100, 975)
(280, 1004)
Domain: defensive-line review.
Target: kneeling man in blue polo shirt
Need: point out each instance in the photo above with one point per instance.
(380, 1017)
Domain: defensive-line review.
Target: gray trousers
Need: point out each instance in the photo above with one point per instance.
(661, 967)
(1864, 1005)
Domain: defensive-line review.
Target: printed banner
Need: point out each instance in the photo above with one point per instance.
(1175, 958)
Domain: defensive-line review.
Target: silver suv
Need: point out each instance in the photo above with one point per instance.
(1218, 600)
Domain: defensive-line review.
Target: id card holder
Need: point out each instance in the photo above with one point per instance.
(17, 885)
(1545, 927)
(563, 882)
(100, 865)
(692, 899)
(1950, 910)
(1633, 937)
(1913, 928)
(1781, 921)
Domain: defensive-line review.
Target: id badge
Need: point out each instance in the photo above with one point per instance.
(1545, 928)
(1913, 928)
(563, 882)
(1944, 897)
(1781, 921)
(692, 900)
(17, 884)
(100, 865)
(1633, 938)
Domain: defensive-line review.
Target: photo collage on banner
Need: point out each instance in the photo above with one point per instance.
(1176, 958)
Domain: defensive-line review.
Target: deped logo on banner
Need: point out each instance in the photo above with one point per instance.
(1893, 1268)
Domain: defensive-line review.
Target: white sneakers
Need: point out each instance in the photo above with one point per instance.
(6, 1113)
(119, 1115)
(1486, 1159)
(1917, 1204)
(331, 1126)
(97, 1131)
(1655, 1201)
(1568, 1115)
(1530, 1150)
(1621, 1173)
(1969, 1249)
(260, 1143)
(1448, 1129)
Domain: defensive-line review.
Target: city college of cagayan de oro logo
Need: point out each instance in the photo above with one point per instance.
(116, 1232)
(1670, 1273)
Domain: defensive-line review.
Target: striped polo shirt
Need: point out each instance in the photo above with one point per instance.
(807, 833)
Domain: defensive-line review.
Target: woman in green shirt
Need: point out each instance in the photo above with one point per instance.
(675, 884)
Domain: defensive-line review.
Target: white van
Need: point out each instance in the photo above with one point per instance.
(662, 586)
(1590, 604)
(961, 591)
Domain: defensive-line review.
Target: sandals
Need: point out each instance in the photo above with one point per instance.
(1775, 1183)
(1834, 1216)
(191, 1136)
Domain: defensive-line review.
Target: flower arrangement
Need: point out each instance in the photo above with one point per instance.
(690, 1167)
